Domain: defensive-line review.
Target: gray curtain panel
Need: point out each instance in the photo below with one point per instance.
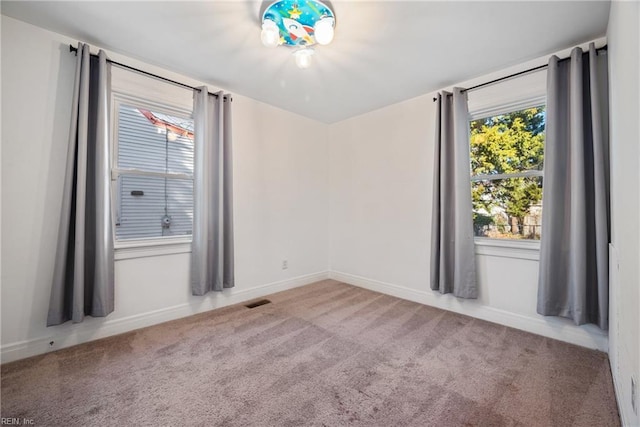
(83, 281)
(212, 267)
(574, 265)
(453, 268)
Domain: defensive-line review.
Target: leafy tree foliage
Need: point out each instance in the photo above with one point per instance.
(505, 144)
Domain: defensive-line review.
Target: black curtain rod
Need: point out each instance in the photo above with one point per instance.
(530, 70)
(74, 49)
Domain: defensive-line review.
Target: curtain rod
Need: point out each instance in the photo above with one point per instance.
(74, 49)
(510, 76)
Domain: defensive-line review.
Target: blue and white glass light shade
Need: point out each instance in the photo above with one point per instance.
(300, 24)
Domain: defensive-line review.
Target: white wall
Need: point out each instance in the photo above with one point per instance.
(380, 214)
(359, 190)
(624, 66)
(280, 202)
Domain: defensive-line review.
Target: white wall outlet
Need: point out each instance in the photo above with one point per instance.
(285, 264)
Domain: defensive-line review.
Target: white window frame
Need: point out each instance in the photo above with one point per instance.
(507, 248)
(148, 246)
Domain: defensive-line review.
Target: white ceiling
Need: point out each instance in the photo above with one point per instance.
(383, 52)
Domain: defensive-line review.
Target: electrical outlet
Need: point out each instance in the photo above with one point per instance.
(634, 401)
(285, 264)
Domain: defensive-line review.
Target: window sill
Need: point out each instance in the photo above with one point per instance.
(507, 248)
(144, 248)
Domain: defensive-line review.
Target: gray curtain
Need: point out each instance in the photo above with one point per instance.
(453, 268)
(573, 280)
(212, 267)
(83, 281)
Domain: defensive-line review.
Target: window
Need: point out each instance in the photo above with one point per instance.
(152, 175)
(507, 152)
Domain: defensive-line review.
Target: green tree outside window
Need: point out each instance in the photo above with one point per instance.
(507, 153)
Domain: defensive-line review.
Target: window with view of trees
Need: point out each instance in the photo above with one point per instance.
(506, 174)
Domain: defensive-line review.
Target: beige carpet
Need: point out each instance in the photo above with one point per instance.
(327, 354)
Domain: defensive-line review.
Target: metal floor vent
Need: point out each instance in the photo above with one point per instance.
(258, 303)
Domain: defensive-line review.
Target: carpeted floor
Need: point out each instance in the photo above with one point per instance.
(326, 354)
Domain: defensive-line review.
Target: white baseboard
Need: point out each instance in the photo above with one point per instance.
(625, 410)
(622, 371)
(561, 329)
(95, 328)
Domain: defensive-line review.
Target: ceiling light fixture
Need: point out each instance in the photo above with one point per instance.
(299, 24)
(303, 57)
(270, 34)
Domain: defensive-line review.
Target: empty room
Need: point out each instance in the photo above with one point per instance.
(320, 213)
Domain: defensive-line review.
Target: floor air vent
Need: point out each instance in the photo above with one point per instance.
(258, 303)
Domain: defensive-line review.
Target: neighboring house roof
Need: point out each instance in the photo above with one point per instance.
(173, 124)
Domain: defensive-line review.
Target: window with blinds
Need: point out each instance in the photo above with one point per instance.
(153, 172)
